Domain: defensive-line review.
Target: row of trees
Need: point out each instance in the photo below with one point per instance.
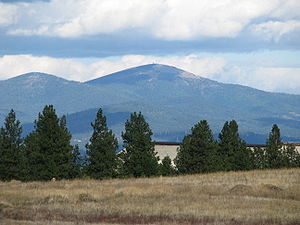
(47, 153)
(200, 153)
(137, 160)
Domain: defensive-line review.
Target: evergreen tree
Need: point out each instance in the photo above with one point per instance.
(274, 155)
(291, 157)
(101, 151)
(226, 151)
(67, 152)
(11, 154)
(77, 162)
(48, 148)
(166, 168)
(140, 159)
(258, 158)
(233, 149)
(198, 152)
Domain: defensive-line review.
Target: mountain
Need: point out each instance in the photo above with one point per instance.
(171, 99)
(29, 93)
(171, 96)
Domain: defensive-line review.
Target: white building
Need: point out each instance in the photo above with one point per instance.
(164, 149)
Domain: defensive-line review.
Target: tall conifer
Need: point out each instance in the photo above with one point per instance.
(233, 149)
(48, 148)
(274, 154)
(77, 163)
(11, 155)
(101, 150)
(140, 159)
(198, 152)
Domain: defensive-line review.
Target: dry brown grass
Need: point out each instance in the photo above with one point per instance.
(254, 197)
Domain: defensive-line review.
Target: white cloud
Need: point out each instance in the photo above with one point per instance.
(280, 79)
(221, 18)
(7, 14)
(268, 78)
(27, 32)
(273, 79)
(110, 16)
(165, 19)
(275, 30)
(13, 65)
(287, 10)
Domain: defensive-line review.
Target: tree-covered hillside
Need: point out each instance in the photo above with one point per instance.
(172, 100)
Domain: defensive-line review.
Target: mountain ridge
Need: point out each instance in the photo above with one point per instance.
(189, 75)
(171, 99)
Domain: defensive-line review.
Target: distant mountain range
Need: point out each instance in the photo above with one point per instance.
(172, 101)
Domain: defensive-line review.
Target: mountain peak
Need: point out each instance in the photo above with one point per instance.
(35, 80)
(148, 72)
(34, 76)
(156, 66)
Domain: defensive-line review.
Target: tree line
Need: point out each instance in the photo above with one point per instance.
(200, 153)
(47, 152)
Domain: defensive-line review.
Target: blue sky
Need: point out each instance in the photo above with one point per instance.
(254, 43)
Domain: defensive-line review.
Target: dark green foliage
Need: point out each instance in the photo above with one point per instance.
(121, 169)
(274, 154)
(166, 168)
(46, 153)
(233, 149)
(11, 155)
(291, 157)
(48, 148)
(198, 152)
(258, 158)
(77, 163)
(102, 160)
(140, 159)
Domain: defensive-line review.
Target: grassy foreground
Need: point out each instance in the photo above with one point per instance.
(254, 197)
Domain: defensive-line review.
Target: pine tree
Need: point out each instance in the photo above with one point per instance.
(183, 158)
(274, 155)
(101, 151)
(65, 157)
(291, 157)
(258, 158)
(140, 159)
(166, 168)
(233, 149)
(48, 148)
(11, 154)
(77, 162)
(198, 152)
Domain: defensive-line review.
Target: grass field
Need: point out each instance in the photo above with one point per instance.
(254, 197)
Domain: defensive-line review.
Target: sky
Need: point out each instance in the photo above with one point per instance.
(254, 43)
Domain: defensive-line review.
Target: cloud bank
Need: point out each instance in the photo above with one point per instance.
(7, 14)
(275, 30)
(264, 76)
(161, 19)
